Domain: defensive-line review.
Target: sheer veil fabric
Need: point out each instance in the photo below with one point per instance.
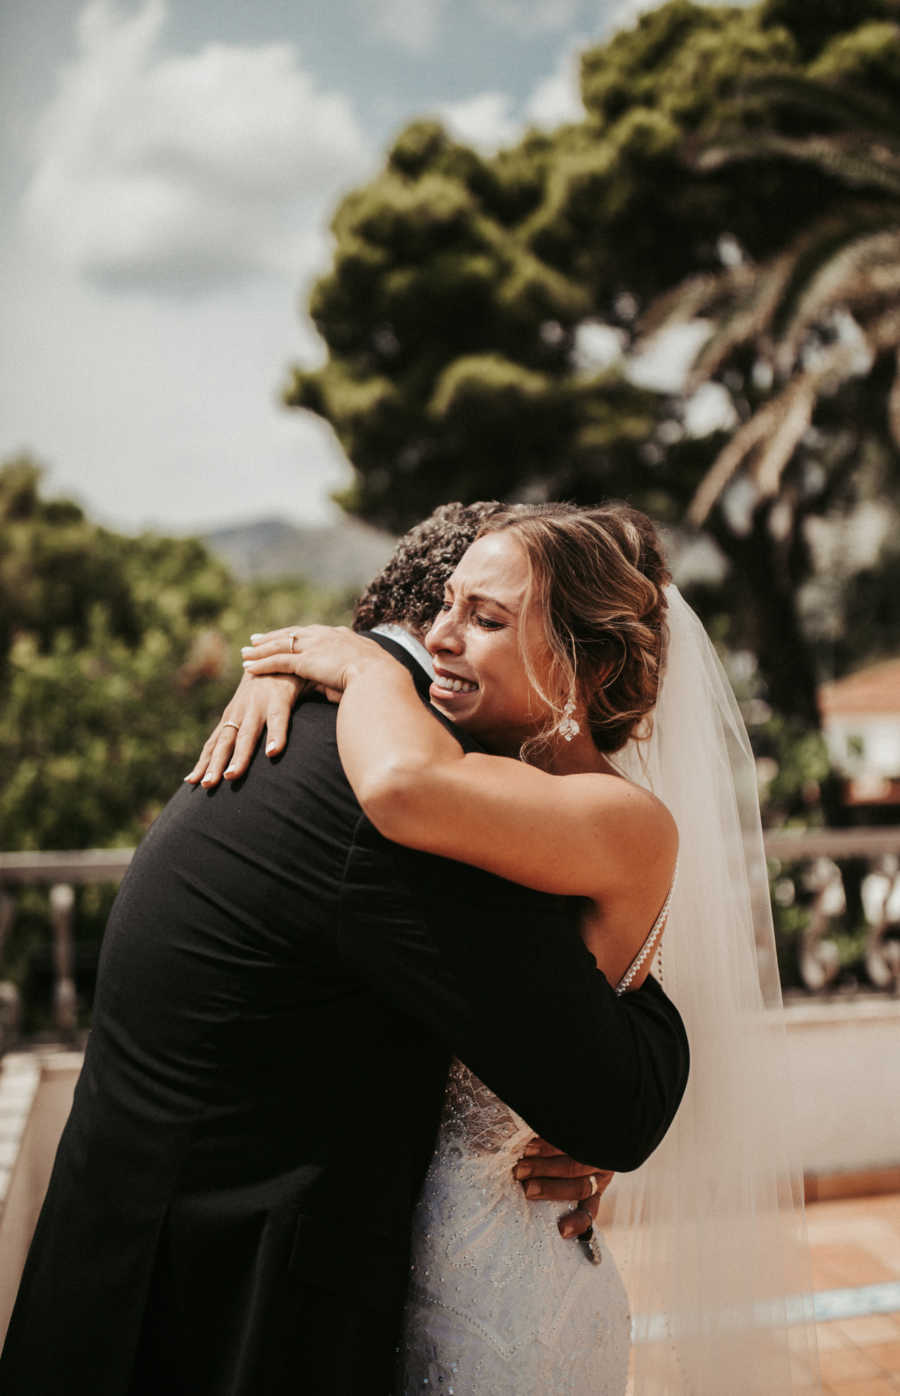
(709, 1234)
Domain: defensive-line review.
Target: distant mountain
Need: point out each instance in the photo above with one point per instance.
(340, 555)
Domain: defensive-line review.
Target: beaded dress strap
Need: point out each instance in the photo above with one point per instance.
(652, 940)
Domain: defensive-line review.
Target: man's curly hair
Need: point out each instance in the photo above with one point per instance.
(410, 587)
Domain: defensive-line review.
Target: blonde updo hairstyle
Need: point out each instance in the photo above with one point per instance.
(597, 576)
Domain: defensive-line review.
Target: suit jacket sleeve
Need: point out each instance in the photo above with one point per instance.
(500, 974)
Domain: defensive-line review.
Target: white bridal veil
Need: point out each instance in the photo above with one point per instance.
(709, 1233)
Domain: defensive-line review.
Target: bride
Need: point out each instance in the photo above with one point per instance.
(616, 753)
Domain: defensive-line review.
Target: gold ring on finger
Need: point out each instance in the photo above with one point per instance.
(235, 725)
(293, 640)
(595, 1186)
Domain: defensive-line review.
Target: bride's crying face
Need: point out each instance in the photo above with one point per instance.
(478, 641)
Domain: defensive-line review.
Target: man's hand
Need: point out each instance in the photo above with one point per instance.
(548, 1175)
(257, 703)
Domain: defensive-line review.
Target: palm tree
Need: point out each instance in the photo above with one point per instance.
(821, 313)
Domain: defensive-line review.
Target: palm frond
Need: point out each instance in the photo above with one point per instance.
(743, 297)
(766, 442)
(830, 103)
(883, 335)
(782, 421)
(695, 296)
(851, 159)
(860, 275)
(893, 404)
(883, 332)
(788, 310)
(751, 317)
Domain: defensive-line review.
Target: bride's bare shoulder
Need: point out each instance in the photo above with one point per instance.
(637, 826)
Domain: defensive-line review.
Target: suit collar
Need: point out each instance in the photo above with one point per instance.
(408, 641)
(422, 681)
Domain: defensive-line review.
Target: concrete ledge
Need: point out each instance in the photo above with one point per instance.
(871, 1182)
(845, 1064)
(20, 1074)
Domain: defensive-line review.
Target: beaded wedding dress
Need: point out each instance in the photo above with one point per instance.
(499, 1304)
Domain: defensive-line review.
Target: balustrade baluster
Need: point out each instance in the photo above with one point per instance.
(882, 950)
(65, 1008)
(10, 1001)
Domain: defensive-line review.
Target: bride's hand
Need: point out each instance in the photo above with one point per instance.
(546, 1174)
(329, 656)
(257, 703)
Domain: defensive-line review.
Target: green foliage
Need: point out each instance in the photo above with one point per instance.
(871, 612)
(799, 765)
(681, 59)
(814, 25)
(117, 654)
(793, 898)
(867, 57)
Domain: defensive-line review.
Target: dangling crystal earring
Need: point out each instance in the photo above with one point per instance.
(567, 726)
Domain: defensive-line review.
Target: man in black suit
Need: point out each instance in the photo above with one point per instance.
(279, 995)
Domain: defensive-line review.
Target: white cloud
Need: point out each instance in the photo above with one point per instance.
(627, 12)
(489, 120)
(529, 17)
(485, 121)
(156, 417)
(557, 97)
(415, 24)
(412, 24)
(183, 171)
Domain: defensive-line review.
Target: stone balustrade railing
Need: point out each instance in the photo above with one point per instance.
(63, 871)
(812, 868)
(848, 876)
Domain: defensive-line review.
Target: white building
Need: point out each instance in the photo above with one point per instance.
(861, 721)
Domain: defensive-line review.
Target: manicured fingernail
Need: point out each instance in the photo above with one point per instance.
(247, 663)
(532, 1148)
(257, 636)
(566, 1229)
(532, 1189)
(270, 747)
(246, 649)
(522, 1170)
(229, 771)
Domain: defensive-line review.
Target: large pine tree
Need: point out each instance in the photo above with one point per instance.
(726, 153)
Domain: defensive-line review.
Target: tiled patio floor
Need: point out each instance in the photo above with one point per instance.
(855, 1251)
(856, 1262)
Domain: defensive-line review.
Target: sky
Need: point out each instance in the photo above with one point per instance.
(168, 172)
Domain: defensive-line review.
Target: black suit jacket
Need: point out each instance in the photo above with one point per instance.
(279, 994)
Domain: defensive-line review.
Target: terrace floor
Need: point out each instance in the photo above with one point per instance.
(855, 1257)
(856, 1273)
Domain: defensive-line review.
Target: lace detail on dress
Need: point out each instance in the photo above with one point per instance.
(499, 1304)
(477, 1119)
